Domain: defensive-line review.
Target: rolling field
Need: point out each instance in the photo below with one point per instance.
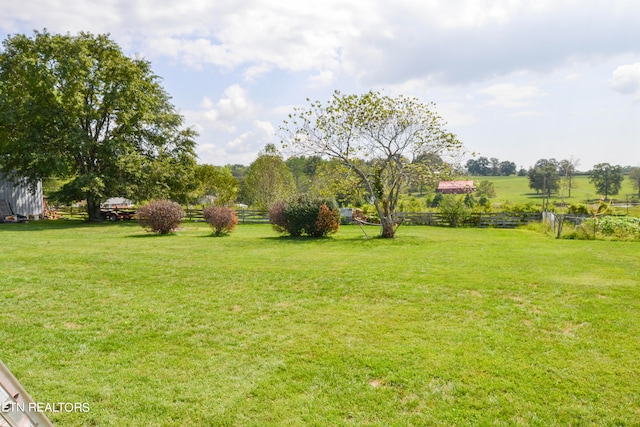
(437, 327)
(515, 189)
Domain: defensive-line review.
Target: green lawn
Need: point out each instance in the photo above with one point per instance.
(437, 327)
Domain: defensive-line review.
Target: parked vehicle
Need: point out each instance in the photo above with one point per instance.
(114, 215)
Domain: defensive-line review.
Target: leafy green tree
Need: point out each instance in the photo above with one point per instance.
(335, 180)
(217, 181)
(77, 108)
(479, 166)
(607, 179)
(507, 168)
(634, 176)
(268, 180)
(543, 177)
(378, 138)
(304, 171)
(486, 188)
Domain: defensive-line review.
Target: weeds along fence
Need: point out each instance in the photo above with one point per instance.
(476, 219)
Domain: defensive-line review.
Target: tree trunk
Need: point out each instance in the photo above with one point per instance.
(388, 231)
(93, 208)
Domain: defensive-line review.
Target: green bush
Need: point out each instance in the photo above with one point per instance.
(222, 219)
(436, 200)
(304, 216)
(579, 209)
(160, 216)
(453, 210)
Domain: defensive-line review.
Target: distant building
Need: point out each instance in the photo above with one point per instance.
(22, 199)
(456, 187)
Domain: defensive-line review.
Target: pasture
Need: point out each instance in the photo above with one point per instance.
(515, 189)
(437, 327)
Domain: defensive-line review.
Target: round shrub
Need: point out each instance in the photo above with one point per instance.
(221, 218)
(160, 216)
(304, 216)
(278, 217)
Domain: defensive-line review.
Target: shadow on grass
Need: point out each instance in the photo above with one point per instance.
(150, 235)
(60, 224)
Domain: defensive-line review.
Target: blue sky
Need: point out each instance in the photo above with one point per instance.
(516, 80)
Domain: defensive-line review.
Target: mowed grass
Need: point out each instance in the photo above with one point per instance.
(437, 327)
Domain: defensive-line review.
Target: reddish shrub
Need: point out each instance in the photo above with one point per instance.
(222, 219)
(278, 217)
(328, 221)
(160, 216)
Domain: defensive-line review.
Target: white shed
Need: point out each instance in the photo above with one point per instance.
(22, 200)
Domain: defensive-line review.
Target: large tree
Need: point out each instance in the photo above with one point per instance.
(75, 107)
(378, 138)
(269, 180)
(543, 176)
(606, 178)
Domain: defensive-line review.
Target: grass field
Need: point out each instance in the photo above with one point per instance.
(438, 327)
(515, 189)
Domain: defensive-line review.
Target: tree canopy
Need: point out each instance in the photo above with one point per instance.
(607, 179)
(386, 142)
(544, 177)
(268, 180)
(76, 108)
(217, 182)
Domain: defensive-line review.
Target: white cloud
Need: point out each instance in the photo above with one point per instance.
(240, 149)
(510, 95)
(626, 79)
(233, 108)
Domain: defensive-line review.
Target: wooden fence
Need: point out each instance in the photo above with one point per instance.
(476, 219)
(245, 216)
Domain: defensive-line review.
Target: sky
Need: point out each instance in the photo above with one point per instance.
(517, 80)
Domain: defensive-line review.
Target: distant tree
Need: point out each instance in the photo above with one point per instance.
(378, 138)
(634, 176)
(486, 188)
(217, 181)
(495, 166)
(239, 172)
(567, 169)
(335, 180)
(479, 166)
(304, 171)
(78, 109)
(430, 161)
(543, 176)
(268, 179)
(507, 168)
(607, 179)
